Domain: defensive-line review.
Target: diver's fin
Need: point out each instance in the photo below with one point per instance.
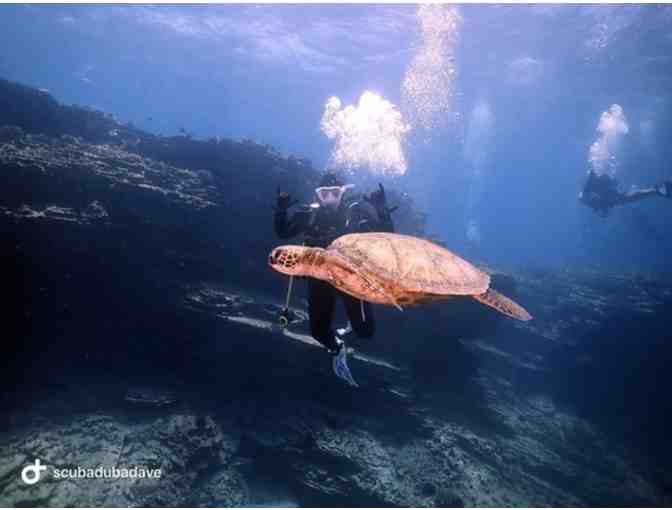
(503, 304)
(340, 366)
(344, 331)
(665, 189)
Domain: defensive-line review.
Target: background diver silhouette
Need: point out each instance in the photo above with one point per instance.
(320, 223)
(600, 193)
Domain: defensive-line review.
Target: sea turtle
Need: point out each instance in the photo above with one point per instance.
(393, 269)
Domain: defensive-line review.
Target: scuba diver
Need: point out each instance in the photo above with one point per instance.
(320, 223)
(600, 193)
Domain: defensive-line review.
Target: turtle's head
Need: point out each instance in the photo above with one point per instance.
(297, 260)
(287, 259)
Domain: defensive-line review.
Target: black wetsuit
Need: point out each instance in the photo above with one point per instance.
(601, 192)
(320, 227)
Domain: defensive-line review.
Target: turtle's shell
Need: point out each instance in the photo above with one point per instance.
(413, 264)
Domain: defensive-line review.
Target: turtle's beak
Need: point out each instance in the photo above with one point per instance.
(274, 258)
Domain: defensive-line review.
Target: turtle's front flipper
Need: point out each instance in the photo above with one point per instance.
(503, 304)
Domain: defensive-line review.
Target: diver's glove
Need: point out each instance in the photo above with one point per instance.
(378, 200)
(340, 364)
(284, 201)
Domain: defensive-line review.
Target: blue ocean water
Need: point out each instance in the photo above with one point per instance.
(545, 74)
(488, 117)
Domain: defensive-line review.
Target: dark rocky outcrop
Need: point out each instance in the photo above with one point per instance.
(136, 261)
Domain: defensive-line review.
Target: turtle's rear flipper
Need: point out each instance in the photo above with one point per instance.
(503, 304)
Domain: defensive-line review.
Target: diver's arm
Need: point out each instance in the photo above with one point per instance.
(385, 223)
(378, 200)
(289, 227)
(281, 223)
(285, 228)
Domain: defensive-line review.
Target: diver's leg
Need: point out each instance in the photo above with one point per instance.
(638, 194)
(360, 315)
(321, 300)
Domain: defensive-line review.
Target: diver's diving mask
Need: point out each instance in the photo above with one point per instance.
(331, 196)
